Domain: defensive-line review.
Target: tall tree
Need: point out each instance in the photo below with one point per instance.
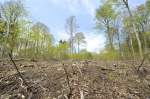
(12, 12)
(127, 29)
(126, 4)
(79, 40)
(71, 27)
(105, 16)
(142, 20)
(40, 37)
(117, 32)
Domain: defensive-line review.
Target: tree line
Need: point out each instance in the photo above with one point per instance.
(126, 30)
(21, 37)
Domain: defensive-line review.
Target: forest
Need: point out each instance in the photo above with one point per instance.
(34, 64)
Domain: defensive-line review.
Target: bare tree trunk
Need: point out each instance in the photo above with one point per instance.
(78, 46)
(26, 46)
(71, 35)
(109, 37)
(70, 27)
(134, 28)
(130, 45)
(145, 43)
(120, 49)
(3, 53)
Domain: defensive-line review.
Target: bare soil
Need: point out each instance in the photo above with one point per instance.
(75, 80)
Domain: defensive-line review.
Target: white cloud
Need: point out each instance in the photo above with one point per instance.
(95, 42)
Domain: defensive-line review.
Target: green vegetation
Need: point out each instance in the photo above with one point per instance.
(126, 30)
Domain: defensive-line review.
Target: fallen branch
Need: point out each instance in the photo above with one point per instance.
(6, 59)
(142, 62)
(76, 65)
(68, 83)
(81, 94)
(14, 64)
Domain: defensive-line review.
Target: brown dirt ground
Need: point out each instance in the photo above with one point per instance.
(96, 79)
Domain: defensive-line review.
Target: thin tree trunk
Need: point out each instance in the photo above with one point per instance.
(110, 38)
(120, 49)
(131, 45)
(78, 47)
(134, 28)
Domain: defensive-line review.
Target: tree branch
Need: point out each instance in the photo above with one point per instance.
(14, 64)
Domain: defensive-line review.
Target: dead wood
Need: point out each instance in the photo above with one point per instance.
(68, 82)
(96, 81)
(142, 62)
(14, 64)
(18, 59)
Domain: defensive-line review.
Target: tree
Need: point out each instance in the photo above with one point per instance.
(70, 29)
(127, 30)
(41, 38)
(142, 16)
(105, 16)
(79, 40)
(61, 50)
(117, 33)
(12, 12)
(126, 4)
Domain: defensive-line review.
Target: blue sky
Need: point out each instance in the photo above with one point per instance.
(54, 13)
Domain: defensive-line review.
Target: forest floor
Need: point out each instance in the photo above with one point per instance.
(75, 80)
